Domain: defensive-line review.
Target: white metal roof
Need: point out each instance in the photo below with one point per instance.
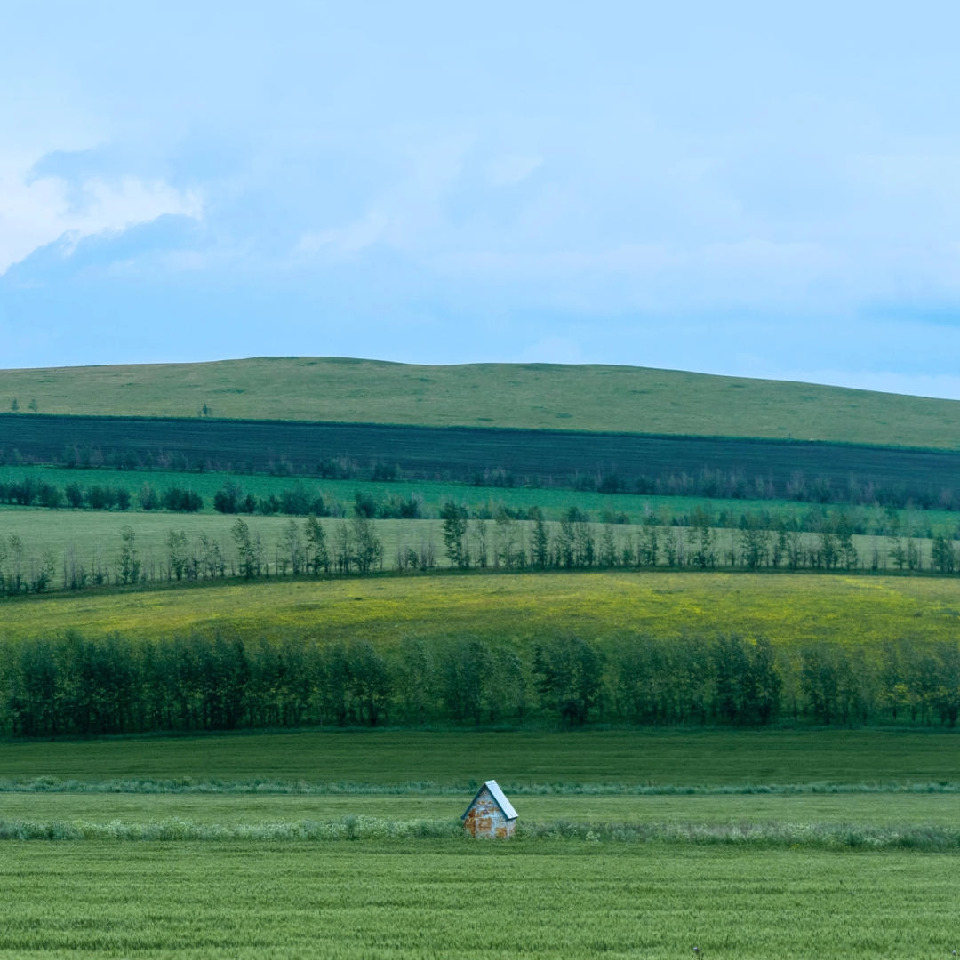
(502, 802)
(505, 805)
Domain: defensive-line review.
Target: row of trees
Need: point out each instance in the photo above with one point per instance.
(71, 685)
(353, 547)
(301, 500)
(28, 491)
(576, 543)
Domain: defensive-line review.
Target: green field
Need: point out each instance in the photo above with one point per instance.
(479, 500)
(736, 874)
(742, 843)
(513, 608)
(527, 760)
(232, 811)
(425, 899)
(537, 396)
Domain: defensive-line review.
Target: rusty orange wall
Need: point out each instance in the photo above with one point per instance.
(486, 819)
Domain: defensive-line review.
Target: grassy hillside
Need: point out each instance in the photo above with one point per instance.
(538, 396)
(514, 608)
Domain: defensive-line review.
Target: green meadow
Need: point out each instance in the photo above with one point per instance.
(431, 495)
(410, 762)
(650, 842)
(232, 811)
(310, 859)
(431, 898)
(611, 607)
(536, 396)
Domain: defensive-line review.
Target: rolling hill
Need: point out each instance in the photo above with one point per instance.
(618, 399)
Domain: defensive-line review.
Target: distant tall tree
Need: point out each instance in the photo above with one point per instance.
(128, 563)
(248, 552)
(569, 677)
(177, 554)
(318, 557)
(648, 541)
(455, 544)
(367, 548)
(701, 539)
(541, 538)
(943, 555)
(292, 552)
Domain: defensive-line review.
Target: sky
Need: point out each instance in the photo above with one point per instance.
(766, 190)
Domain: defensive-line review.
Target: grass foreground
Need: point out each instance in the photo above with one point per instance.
(347, 845)
(432, 898)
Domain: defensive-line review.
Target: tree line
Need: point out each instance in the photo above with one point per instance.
(31, 492)
(71, 685)
(353, 546)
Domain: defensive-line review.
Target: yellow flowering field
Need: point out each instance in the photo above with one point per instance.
(516, 608)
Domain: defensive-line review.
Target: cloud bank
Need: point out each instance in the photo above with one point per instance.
(747, 190)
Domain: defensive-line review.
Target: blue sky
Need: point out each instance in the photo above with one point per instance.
(761, 189)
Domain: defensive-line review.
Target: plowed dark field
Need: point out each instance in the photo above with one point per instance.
(457, 453)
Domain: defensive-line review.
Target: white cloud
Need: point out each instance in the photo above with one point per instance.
(35, 212)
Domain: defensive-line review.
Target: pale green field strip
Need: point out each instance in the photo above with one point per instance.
(514, 608)
(538, 396)
(232, 809)
(676, 758)
(453, 898)
(95, 539)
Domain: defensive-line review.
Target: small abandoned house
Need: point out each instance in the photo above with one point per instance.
(490, 813)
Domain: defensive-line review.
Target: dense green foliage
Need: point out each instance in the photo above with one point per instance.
(537, 396)
(72, 686)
